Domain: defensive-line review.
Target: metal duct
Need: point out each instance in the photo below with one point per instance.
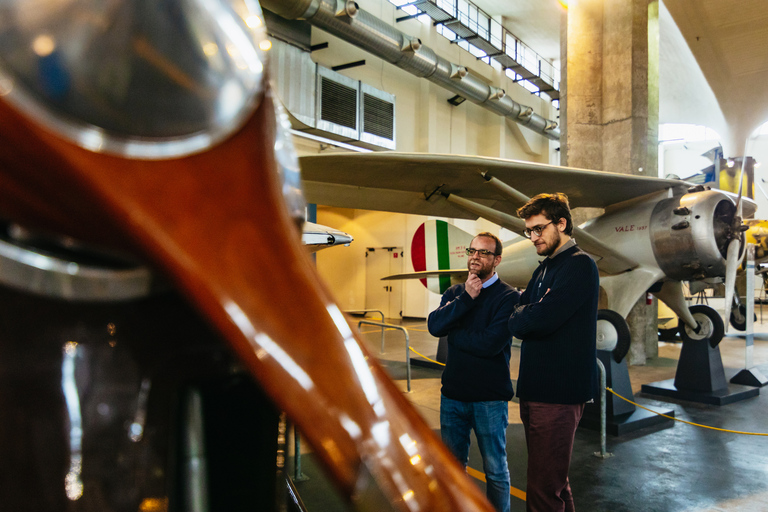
(344, 19)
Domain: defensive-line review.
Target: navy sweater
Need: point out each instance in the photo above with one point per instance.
(558, 330)
(477, 368)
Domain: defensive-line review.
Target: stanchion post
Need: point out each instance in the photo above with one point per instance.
(750, 307)
(750, 376)
(603, 453)
(298, 476)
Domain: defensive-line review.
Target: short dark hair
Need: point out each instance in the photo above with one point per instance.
(493, 237)
(553, 206)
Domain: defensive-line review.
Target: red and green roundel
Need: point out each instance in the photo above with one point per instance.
(437, 245)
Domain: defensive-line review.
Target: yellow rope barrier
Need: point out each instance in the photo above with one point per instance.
(425, 357)
(638, 405)
(517, 493)
(378, 330)
(687, 422)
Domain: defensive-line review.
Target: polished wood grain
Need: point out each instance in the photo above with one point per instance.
(216, 225)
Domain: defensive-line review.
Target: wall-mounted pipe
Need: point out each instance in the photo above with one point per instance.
(344, 19)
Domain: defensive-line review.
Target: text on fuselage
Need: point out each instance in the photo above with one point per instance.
(630, 227)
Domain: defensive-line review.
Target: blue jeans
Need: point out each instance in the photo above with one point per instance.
(489, 420)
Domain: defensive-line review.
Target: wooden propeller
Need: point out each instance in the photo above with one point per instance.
(216, 225)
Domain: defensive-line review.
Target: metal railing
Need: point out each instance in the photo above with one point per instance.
(407, 344)
(365, 312)
(485, 38)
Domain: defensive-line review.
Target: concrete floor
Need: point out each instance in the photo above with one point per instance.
(664, 468)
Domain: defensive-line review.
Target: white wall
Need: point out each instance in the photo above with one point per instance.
(683, 159)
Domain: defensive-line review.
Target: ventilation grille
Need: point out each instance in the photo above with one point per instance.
(378, 117)
(349, 110)
(338, 103)
(326, 103)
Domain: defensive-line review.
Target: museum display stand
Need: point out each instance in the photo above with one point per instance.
(700, 377)
(622, 417)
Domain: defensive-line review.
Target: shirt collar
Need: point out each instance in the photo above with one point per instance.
(493, 279)
(570, 243)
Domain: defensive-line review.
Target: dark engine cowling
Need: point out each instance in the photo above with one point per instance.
(690, 234)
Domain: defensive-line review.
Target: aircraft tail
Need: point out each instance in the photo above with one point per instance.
(437, 245)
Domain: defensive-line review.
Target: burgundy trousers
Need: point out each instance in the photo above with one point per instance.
(549, 433)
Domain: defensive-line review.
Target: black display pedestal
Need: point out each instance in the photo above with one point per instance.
(700, 377)
(750, 377)
(621, 416)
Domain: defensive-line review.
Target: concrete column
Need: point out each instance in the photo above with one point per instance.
(609, 107)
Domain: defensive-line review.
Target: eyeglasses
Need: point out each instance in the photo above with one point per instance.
(536, 230)
(482, 252)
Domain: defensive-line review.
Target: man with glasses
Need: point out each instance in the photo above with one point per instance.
(557, 322)
(476, 383)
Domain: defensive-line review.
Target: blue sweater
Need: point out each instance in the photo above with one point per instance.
(477, 367)
(558, 330)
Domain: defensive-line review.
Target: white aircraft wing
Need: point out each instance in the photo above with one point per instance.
(417, 182)
(423, 274)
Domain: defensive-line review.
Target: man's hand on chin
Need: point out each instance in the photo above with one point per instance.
(474, 285)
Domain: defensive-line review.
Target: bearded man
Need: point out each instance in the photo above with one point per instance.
(476, 386)
(557, 323)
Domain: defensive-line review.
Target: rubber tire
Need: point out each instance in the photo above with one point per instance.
(740, 324)
(712, 325)
(623, 337)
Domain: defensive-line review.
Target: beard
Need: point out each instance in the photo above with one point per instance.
(482, 273)
(549, 248)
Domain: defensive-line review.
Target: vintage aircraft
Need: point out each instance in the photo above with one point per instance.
(149, 129)
(654, 233)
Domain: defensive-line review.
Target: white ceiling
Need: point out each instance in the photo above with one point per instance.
(730, 42)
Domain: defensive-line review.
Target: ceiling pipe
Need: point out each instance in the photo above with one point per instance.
(344, 19)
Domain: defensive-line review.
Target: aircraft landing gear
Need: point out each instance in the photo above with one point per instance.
(612, 334)
(739, 317)
(700, 376)
(613, 339)
(711, 326)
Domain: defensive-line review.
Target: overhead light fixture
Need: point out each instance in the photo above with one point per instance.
(457, 100)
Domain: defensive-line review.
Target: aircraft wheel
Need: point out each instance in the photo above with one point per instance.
(710, 322)
(612, 333)
(739, 317)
